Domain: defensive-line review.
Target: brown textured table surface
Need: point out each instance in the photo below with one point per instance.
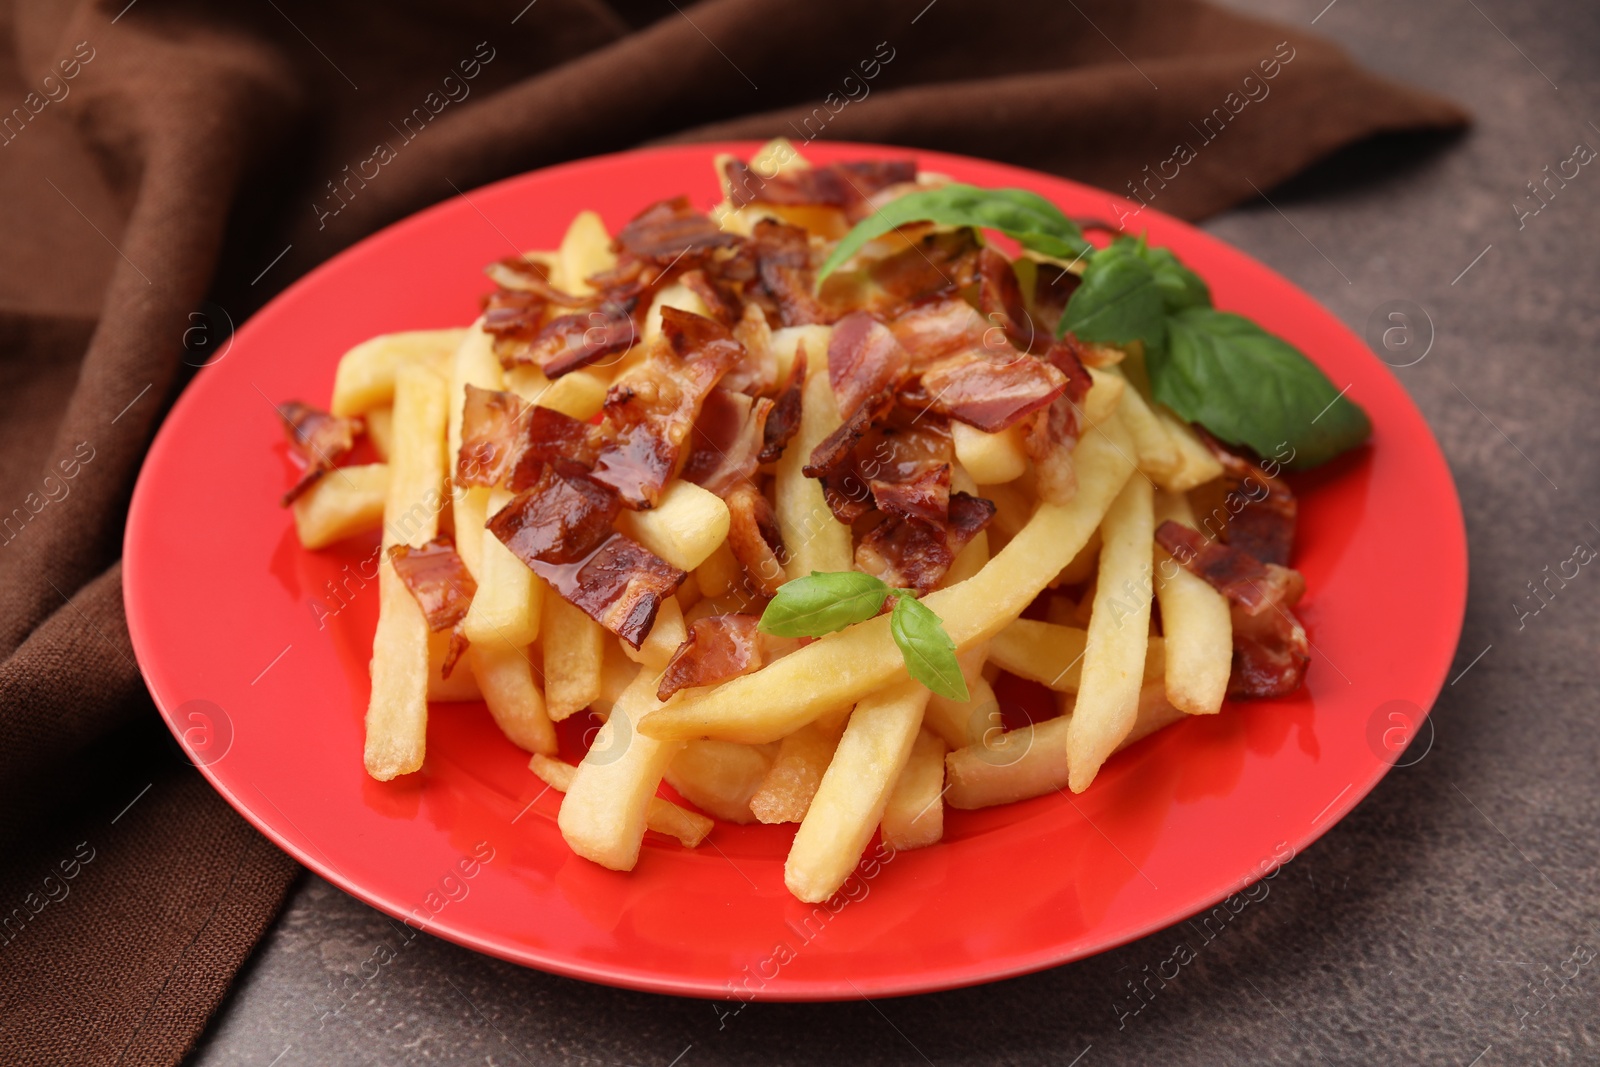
(1454, 916)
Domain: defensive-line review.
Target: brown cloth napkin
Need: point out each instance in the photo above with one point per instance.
(156, 160)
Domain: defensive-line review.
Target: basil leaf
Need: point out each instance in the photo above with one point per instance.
(1180, 287)
(1032, 220)
(1250, 388)
(929, 653)
(1118, 301)
(823, 602)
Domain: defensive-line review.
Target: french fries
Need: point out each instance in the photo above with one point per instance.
(843, 667)
(397, 712)
(829, 732)
(341, 504)
(720, 777)
(1119, 633)
(914, 814)
(851, 798)
(1196, 621)
(662, 816)
(603, 815)
(366, 376)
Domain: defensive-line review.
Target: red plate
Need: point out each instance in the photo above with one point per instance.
(268, 697)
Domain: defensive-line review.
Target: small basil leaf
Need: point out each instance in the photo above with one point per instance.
(1118, 301)
(1250, 388)
(823, 602)
(1180, 287)
(929, 653)
(1032, 220)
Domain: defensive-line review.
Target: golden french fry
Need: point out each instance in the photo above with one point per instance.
(851, 798)
(1196, 623)
(461, 687)
(1041, 652)
(1118, 636)
(1196, 464)
(365, 378)
(666, 634)
(991, 458)
(1104, 397)
(1032, 761)
(341, 504)
(397, 712)
(815, 539)
(969, 560)
(510, 598)
(585, 251)
(580, 394)
(1083, 565)
(603, 814)
(720, 777)
(506, 678)
(1013, 509)
(661, 815)
(1158, 455)
(617, 672)
(473, 363)
(719, 573)
(914, 814)
(677, 295)
(843, 667)
(786, 341)
(785, 793)
(380, 431)
(684, 528)
(574, 653)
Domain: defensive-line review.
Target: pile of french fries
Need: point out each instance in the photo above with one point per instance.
(833, 734)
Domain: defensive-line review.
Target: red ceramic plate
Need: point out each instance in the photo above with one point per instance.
(267, 691)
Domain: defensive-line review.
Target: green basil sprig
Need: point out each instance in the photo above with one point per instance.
(823, 602)
(1032, 220)
(1243, 384)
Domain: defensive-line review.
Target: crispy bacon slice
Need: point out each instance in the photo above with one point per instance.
(507, 441)
(561, 528)
(757, 374)
(982, 392)
(754, 537)
(719, 297)
(1068, 355)
(725, 445)
(1000, 300)
(943, 326)
(783, 421)
(1270, 647)
(925, 497)
(568, 342)
(864, 360)
(664, 232)
(650, 410)
(836, 450)
(835, 185)
(513, 318)
(1053, 433)
(718, 647)
(915, 554)
(783, 266)
(443, 588)
(1053, 286)
(515, 272)
(319, 438)
(1261, 517)
(939, 262)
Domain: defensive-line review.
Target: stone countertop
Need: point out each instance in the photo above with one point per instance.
(1418, 929)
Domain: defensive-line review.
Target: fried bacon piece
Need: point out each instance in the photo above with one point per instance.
(754, 537)
(835, 185)
(757, 373)
(443, 588)
(1270, 647)
(943, 326)
(320, 439)
(569, 342)
(561, 528)
(783, 421)
(650, 410)
(985, 393)
(864, 360)
(925, 497)
(516, 272)
(915, 554)
(507, 441)
(670, 230)
(725, 445)
(939, 262)
(719, 297)
(1053, 286)
(1053, 434)
(1000, 300)
(513, 318)
(718, 647)
(1263, 521)
(783, 268)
